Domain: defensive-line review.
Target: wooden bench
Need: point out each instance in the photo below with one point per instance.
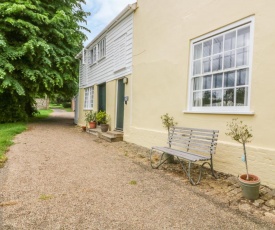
(188, 144)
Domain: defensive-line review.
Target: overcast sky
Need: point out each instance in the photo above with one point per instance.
(102, 12)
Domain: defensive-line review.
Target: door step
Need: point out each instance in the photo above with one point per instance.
(110, 136)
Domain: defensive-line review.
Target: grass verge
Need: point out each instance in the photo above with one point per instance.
(9, 130)
(60, 106)
(43, 113)
(7, 133)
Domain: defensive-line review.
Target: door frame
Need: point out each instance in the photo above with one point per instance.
(116, 112)
(98, 95)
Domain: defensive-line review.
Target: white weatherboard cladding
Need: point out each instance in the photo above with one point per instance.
(107, 69)
(82, 74)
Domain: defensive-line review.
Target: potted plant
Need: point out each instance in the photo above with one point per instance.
(241, 133)
(90, 118)
(103, 119)
(168, 122)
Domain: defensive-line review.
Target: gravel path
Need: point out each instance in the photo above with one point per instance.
(58, 177)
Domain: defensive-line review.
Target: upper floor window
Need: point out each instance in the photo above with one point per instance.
(102, 48)
(221, 69)
(89, 98)
(93, 55)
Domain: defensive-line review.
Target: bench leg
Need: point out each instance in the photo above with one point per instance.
(189, 174)
(188, 171)
(161, 161)
(212, 168)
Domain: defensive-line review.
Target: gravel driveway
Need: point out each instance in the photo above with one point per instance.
(58, 177)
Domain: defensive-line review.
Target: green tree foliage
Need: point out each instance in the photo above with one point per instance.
(38, 42)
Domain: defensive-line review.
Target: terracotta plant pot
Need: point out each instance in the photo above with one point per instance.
(104, 127)
(92, 124)
(251, 187)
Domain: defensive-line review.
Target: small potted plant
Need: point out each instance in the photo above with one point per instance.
(241, 133)
(90, 118)
(168, 122)
(103, 119)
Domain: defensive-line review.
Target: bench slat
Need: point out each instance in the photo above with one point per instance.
(187, 133)
(192, 148)
(203, 130)
(191, 140)
(192, 157)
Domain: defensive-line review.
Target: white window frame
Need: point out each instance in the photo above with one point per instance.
(93, 55)
(83, 59)
(101, 48)
(89, 98)
(222, 109)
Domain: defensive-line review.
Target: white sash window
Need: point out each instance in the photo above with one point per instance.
(89, 98)
(220, 70)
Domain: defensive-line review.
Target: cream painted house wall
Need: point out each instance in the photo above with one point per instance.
(159, 84)
(111, 96)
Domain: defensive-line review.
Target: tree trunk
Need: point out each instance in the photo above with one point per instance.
(245, 159)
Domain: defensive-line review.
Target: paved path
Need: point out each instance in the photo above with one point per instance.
(58, 177)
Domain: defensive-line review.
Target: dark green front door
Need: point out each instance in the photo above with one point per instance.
(102, 97)
(120, 105)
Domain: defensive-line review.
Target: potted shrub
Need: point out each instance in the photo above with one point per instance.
(241, 133)
(168, 122)
(90, 118)
(103, 119)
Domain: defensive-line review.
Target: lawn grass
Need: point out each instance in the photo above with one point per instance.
(56, 106)
(9, 130)
(7, 133)
(60, 106)
(43, 113)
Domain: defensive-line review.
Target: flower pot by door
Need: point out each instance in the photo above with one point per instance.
(92, 124)
(104, 127)
(250, 188)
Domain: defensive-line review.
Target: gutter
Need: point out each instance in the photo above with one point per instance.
(123, 14)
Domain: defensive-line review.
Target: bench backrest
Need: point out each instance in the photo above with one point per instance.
(193, 140)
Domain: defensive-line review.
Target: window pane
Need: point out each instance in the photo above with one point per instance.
(229, 79)
(242, 96)
(228, 97)
(207, 82)
(197, 83)
(197, 51)
(229, 41)
(229, 59)
(218, 45)
(217, 80)
(242, 56)
(217, 98)
(243, 37)
(242, 77)
(207, 47)
(206, 98)
(197, 99)
(86, 98)
(206, 65)
(217, 62)
(197, 67)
